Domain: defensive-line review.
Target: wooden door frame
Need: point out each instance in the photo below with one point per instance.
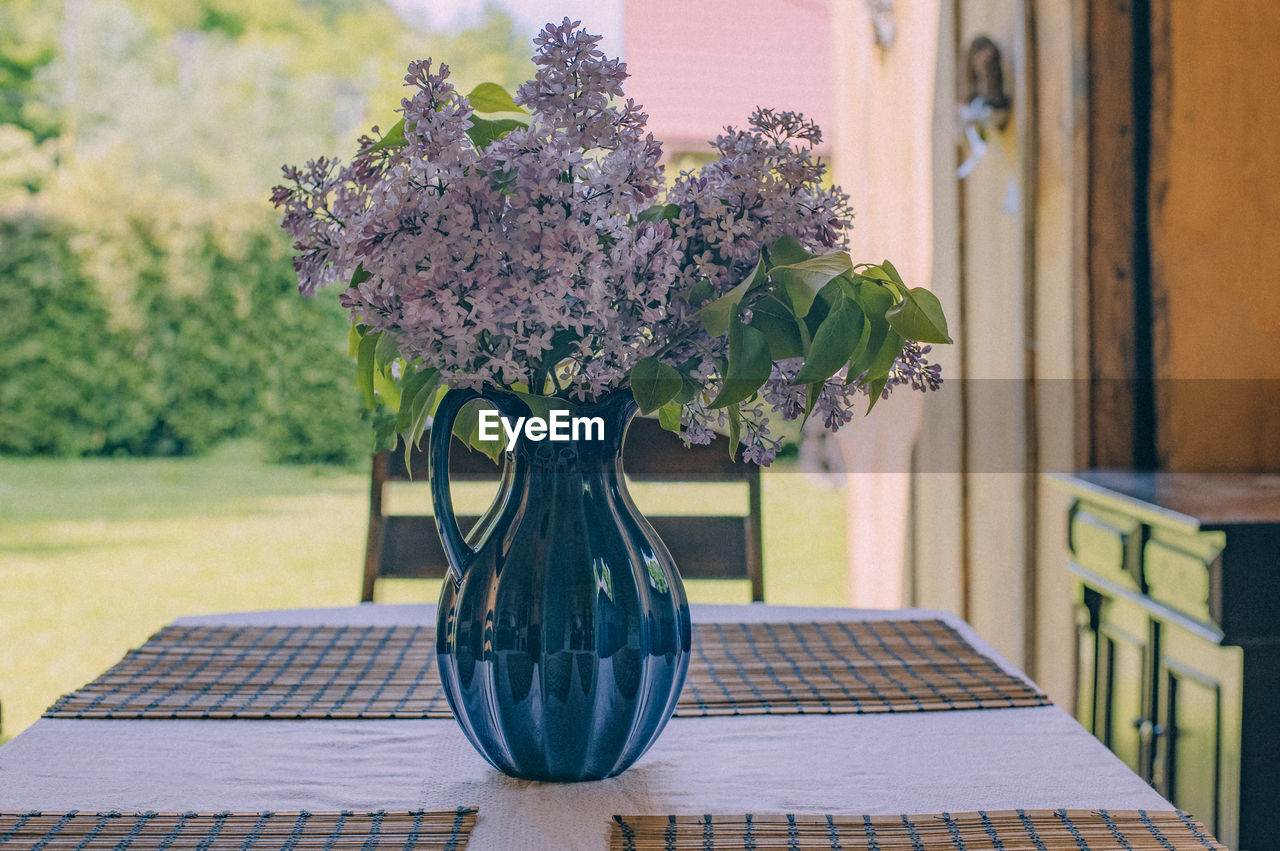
(1115, 401)
(1083, 185)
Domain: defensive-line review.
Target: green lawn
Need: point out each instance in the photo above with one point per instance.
(96, 555)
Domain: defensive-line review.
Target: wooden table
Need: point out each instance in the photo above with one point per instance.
(905, 762)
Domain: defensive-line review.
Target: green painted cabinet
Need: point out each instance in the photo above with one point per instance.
(1177, 596)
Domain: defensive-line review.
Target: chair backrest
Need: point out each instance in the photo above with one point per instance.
(721, 546)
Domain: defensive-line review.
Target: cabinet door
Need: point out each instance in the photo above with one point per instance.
(1197, 764)
(1088, 611)
(1124, 684)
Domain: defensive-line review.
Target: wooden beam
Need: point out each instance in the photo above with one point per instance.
(1108, 395)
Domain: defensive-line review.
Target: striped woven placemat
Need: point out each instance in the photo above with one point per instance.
(378, 672)
(446, 831)
(1010, 830)
(840, 667)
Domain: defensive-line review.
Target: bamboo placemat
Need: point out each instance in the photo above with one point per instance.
(379, 672)
(1010, 830)
(269, 673)
(300, 831)
(842, 667)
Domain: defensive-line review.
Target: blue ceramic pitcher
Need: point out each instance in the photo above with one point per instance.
(563, 634)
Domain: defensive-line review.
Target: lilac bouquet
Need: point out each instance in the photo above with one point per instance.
(541, 252)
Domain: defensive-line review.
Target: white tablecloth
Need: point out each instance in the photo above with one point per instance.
(911, 762)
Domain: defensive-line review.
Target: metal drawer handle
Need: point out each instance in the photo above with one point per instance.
(1147, 729)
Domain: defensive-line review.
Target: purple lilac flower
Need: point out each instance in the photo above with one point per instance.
(491, 263)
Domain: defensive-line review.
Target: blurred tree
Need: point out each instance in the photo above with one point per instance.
(28, 45)
(29, 120)
(209, 97)
(157, 311)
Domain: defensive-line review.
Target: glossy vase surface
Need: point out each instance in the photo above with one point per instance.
(563, 634)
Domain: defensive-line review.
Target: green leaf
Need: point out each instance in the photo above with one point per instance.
(835, 289)
(872, 272)
(393, 138)
(919, 317)
(881, 362)
(411, 381)
(490, 97)
(863, 342)
(875, 301)
(354, 336)
(880, 276)
(659, 212)
(811, 394)
(735, 430)
(875, 388)
(365, 366)
(804, 279)
(717, 315)
(805, 336)
(699, 293)
(385, 386)
(669, 416)
(386, 352)
(774, 318)
(423, 407)
(893, 272)
(467, 429)
(483, 132)
(416, 389)
(359, 276)
(835, 341)
(466, 425)
(542, 406)
(749, 365)
(654, 384)
(818, 311)
(787, 250)
(689, 387)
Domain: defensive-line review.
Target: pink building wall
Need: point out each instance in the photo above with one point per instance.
(698, 65)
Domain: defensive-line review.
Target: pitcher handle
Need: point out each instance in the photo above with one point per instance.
(458, 553)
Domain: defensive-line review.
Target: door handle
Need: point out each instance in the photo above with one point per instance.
(985, 105)
(984, 75)
(1148, 730)
(1150, 765)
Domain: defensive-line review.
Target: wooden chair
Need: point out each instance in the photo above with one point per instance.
(725, 546)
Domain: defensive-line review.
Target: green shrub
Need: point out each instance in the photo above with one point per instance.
(312, 410)
(164, 334)
(66, 385)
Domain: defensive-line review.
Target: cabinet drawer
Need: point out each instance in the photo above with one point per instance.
(1107, 544)
(1177, 572)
